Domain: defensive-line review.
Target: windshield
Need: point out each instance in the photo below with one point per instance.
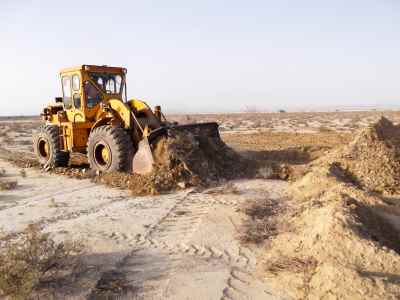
(108, 83)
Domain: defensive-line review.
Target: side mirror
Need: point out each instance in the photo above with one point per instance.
(58, 99)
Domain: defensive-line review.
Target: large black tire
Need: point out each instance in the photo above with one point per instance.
(47, 148)
(109, 149)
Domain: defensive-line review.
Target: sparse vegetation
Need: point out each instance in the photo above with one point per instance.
(8, 140)
(6, 185)
(22, 172)
(263, 221)
(291, 264)
(304, 265)
(32, 259)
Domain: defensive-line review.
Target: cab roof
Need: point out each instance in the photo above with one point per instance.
(94, 68)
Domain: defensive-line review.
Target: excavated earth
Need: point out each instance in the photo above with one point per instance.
(372, 160)
(184, 160)
(343, 231)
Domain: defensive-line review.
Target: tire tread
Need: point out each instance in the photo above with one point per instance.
(119, 142)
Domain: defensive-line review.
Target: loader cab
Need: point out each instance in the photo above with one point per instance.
(71, 88)
(72, 96)
(85, 87)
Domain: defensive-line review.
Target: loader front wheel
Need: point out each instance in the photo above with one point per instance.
(109, 149)
(47, 148)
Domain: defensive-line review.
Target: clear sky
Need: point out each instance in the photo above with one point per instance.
(206, 55)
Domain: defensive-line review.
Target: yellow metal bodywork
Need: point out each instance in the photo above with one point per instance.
(105, 154)
(76, 123)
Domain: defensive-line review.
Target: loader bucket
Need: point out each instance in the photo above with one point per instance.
(143, 161)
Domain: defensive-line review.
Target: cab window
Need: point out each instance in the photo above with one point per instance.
(92, 94)
(76, 82)
(66, 86)
(110, 86)
(107, 82)
(77, 100)
(123, 92)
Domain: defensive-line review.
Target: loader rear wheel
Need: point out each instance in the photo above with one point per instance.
(109, 149)
(47, 148)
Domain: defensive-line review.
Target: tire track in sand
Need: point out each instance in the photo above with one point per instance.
(157, 254)
(136, 274)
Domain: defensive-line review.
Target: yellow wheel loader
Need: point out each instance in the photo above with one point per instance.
(95, 117)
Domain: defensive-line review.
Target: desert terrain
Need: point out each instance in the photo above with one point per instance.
(317, 219)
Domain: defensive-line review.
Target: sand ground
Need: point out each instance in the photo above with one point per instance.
(177, 246)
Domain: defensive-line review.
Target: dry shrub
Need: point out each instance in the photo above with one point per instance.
(22, 172)
(6, 185)
(33, 259)
(8, 140)
(291, 264)
(112, 285)
(305, 266)
(263, 221)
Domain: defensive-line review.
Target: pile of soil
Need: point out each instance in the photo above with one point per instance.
(371, 162)
(343, 241)
(183, 160)
(338, 247)
(373, 158)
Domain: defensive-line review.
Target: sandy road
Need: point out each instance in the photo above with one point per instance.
(176, 246)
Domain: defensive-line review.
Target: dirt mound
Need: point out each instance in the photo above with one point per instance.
(184, 160)
(342, 244)
(371, 161)
(343, 240)
(207, 159)
(374, 157)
